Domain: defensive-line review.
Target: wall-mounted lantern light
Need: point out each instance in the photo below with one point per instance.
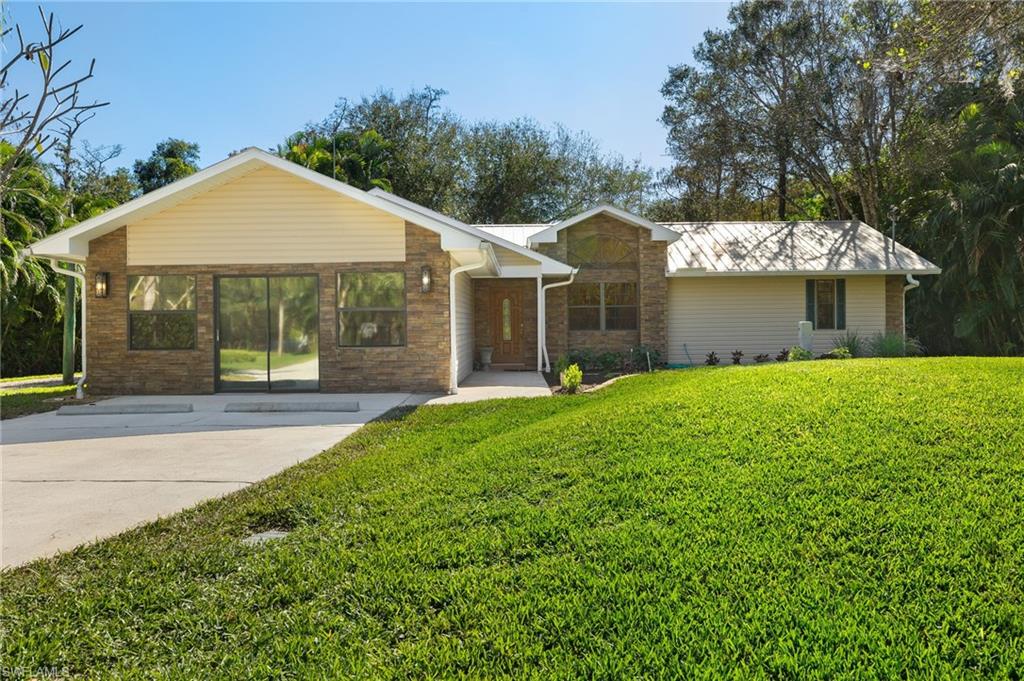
(426, 279)
(102, 284)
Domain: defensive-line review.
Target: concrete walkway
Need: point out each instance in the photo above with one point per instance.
(68, 480)
(487, 385)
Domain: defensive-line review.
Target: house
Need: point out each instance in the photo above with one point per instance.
(259, 274)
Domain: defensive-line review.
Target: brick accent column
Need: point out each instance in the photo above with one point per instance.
(653, 293)
(894, 304)
(557, 301)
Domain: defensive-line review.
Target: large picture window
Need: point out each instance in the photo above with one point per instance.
(161, 312)
(371, 309)
(603, 307)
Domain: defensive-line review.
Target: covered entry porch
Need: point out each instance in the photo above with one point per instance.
(499, 324)
(505, 324)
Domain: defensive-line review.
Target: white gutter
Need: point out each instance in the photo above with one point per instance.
(543, 321)
(453, 360)
(911, 284)
(80, 276)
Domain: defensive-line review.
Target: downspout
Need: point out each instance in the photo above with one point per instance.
(453, 360)
(544, 314)
(540, 323)
(79, 392)
(911, 284)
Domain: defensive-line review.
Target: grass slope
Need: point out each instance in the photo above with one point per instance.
(821, 519)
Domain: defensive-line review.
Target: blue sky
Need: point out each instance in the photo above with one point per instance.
(234, 75)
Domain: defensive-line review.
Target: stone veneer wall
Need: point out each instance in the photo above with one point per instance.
(483, 316)
(894, 304)
(421, 365)
(648, 271)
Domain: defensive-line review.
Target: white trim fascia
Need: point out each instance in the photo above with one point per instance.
(658, 232)
(72, 243)
(702, 272)
(60, 243)
(549, 265)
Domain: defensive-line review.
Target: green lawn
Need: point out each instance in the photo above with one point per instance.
(857, 518)
(14, 379)
(16, 402)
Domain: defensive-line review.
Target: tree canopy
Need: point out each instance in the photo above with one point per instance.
(902, 114)
(172, 160)
(484, 171)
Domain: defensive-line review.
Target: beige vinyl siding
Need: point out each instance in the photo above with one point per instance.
(758, 315)
(266, 216)
(464, 324)
(509, 258)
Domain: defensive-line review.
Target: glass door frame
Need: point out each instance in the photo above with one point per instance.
(217, 384)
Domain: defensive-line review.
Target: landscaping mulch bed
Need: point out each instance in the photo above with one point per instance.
(591, 380)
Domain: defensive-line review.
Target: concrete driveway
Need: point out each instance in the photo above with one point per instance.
(68, 480)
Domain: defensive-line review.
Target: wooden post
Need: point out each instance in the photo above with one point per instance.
(68, 364)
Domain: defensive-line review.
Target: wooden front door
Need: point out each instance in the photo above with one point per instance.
(507, 325)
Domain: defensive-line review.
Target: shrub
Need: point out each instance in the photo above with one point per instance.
(712, 359)
(737, 355)
(839, 353)
(762, 358)
(609, 361)
(782, 356)
(798, 354)
(571, 378)
(850, 341)
(894, 345)
(636, 358)
(561, 364)
(583, 358)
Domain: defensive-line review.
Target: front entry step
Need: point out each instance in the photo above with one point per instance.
(290, 407)
(113, 409)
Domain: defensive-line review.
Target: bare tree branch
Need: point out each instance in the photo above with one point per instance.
(34, 123)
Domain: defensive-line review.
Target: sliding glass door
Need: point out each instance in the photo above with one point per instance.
(267, 333)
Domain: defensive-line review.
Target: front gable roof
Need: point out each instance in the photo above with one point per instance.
(549, 235)
(72, 244)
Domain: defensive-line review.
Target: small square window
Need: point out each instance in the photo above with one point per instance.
(161, 312)
(371, 309)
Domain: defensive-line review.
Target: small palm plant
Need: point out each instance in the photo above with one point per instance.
(852, 342)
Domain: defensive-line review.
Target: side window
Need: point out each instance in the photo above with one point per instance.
(161, 312)
(603, 307)
(585, 307)
(371, 309)
(826, 303)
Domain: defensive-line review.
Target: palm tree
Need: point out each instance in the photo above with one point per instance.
(359, 160)
(31, 207)
(974, 222)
